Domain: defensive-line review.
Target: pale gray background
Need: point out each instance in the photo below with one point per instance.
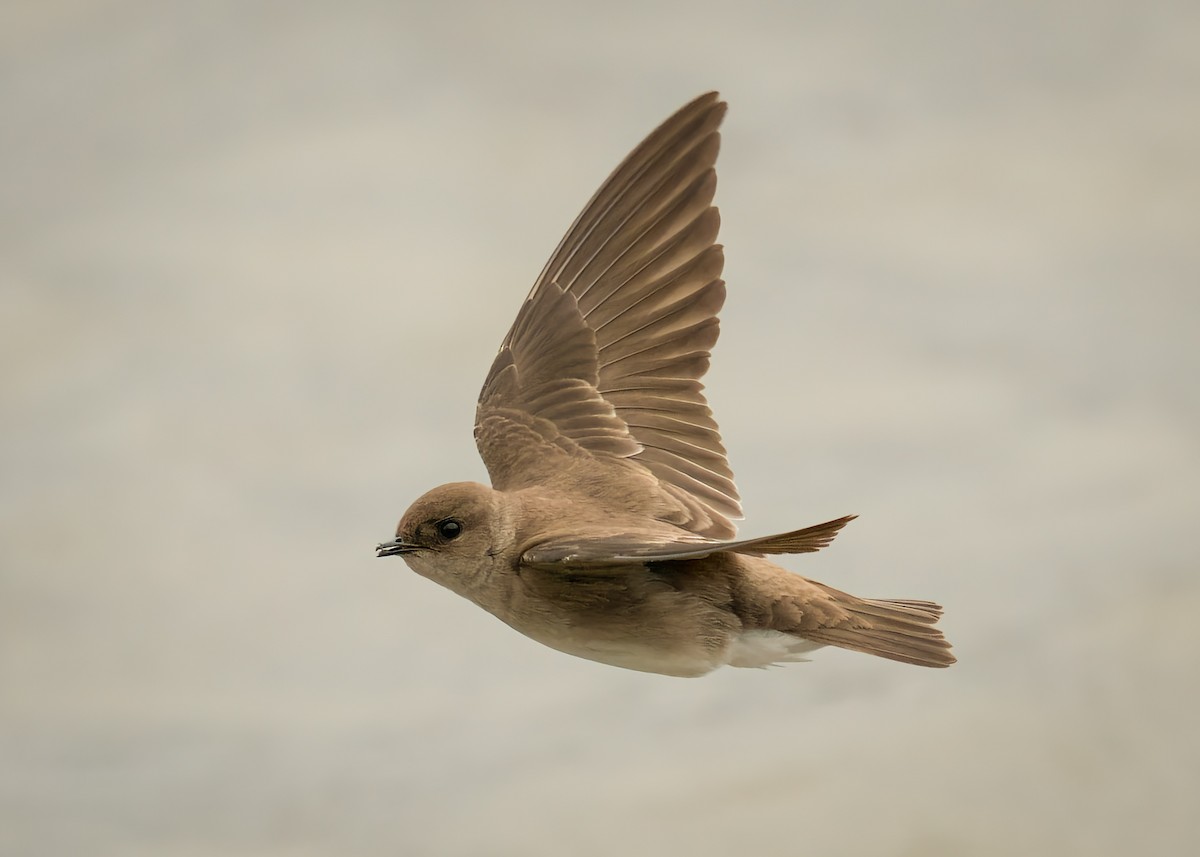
(256, 258)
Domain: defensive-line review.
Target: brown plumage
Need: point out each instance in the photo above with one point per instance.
(608, 530)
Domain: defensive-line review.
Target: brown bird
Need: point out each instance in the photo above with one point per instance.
(607, 533)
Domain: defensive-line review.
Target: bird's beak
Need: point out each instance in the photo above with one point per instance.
(394, 547)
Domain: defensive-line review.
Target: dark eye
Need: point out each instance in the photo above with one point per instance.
(449, 529)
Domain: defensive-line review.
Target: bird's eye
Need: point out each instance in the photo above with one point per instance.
(449, 529)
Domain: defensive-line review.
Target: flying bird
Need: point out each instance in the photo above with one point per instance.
(607, 532)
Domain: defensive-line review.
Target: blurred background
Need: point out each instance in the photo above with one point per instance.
(256, 258)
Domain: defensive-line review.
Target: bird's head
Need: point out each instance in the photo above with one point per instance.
(453, 535)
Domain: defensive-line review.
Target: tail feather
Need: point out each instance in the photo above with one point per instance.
(899, 630)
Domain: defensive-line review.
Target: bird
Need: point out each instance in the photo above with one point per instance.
(607, 531)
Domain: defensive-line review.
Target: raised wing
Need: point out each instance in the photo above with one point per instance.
(597, 385)
(622, 549)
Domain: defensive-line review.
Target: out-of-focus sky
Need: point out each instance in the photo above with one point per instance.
(256, 257)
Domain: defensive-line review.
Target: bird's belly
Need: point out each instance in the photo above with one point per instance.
(649, 621)
(690, 659)
(644, 650)
(684, 661)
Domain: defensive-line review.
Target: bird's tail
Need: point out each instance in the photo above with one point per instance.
(899, 630)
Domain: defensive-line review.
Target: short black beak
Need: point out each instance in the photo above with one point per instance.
(394, 547)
